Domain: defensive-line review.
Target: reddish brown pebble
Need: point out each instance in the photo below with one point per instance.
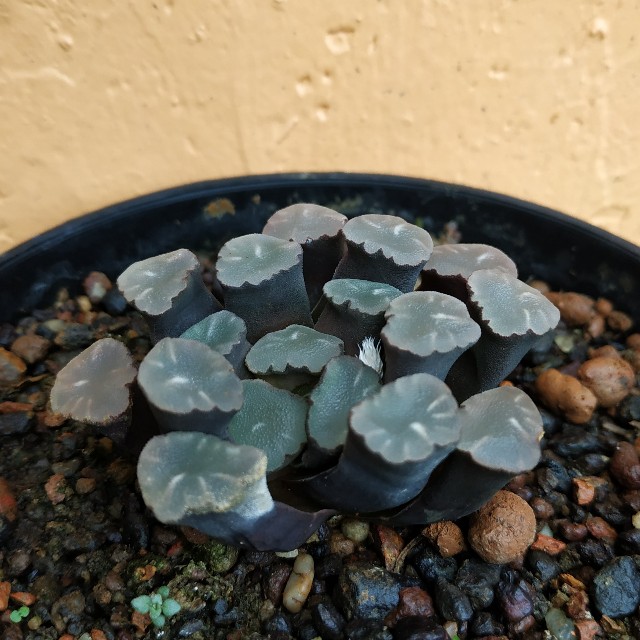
(194, 536)
(12, 368)
(540, 285)
(607, 350)
(576, 607)
(23, 597)
(588, 629)
(625, 465)
(340, 544)
(97, 634)
(603, 306)
(572, 531)
(542, 508)
(8, 504)
(575, 309)
(503, 529)
(445, 535)
(413, 601)
(31, 348)
(96, 285)
(549, 545)
(601, 529)
(619, 321)
(565, 395)
(5, 590)
(523, 625)
(595, 327)
(633, 341)
(610, 379)
(85, 486)
(584, 489)
(390, 543)
(54, 488)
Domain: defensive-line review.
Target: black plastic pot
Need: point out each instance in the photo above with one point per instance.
(568, 253)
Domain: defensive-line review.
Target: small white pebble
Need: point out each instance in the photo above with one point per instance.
(299, 583)
(287, 554)
(635, 520)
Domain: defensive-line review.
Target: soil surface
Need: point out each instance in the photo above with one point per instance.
(77, 545)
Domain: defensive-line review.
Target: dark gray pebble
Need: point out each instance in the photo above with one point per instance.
(419, 628)
(612, 510)
(433, 567)
(484, 625)
(616, 588)
(17, 423)
(191, 627)
(114, 302)
(628, 542)
(452, 603)
(366, 630)
(477, 579)
(74, 336)
(629, 409)
(575, 441)
(595, 552)
(367, 591)
(278, 623)
(553, 476)
(542, 565)
(329, 566)
(592, 464)
(328, 620)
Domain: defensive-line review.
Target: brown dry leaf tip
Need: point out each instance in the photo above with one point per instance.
(445, 535)
(576, 309)
(503, 529)
(566, 395)
(609, 378)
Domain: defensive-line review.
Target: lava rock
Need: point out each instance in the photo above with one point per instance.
(616, 588)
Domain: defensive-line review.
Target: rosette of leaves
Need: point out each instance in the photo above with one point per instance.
(271, 422)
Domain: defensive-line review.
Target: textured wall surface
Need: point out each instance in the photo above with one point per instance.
(101, 101)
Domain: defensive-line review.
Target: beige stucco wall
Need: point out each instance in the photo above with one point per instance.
(101, 100)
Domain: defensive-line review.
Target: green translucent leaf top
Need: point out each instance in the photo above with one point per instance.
(221, 331)
(152, 284)
(181, 376)
(370, 298)
(344, 382)
(94, 386)
(426, 322)
(296, 348)
(408, 418)
(272, 420)
(303, 222)
(186, 472)
(501, 429)
(255, 258)
(509, 306)
(405, 243)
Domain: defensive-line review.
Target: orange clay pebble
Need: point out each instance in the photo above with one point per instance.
(503, 529)
(633, 341)
(445, 535)
(576, 309)
(595, 327)
(566, 395)
(603, 306)
(619, 321)
(607, 350)
(610, 379)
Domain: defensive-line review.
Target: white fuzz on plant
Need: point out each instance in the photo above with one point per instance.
(369, 353)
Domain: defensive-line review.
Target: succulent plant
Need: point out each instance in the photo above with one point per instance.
(349, 367)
